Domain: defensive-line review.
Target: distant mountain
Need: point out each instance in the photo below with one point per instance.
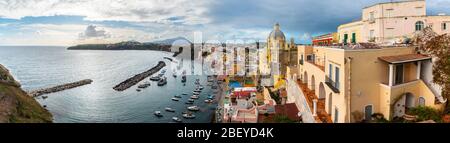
(126, 45)
(171, 41)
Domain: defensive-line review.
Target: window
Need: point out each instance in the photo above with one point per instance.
(353, 38)
(330, 72)
(345, 38)
(372, 16)
(368, 111)
(336, 115)
(336, 71)
(444, 26)
(372, 35)
(419, 26)
(421, 101)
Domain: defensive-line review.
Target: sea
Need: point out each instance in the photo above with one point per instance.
(38, 67)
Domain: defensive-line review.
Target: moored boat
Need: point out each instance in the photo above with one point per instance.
(176, 119)
(158, 114)
(175, 99)
(195, 97)
(193, 108)
(188, 115)
(170, 109)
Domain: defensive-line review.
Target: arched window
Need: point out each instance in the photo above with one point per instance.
(421, 101)
(419, 26)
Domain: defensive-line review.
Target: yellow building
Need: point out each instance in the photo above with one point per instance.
(276, 56)
(350, 83)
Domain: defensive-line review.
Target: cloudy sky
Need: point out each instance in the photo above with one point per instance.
(69, 22)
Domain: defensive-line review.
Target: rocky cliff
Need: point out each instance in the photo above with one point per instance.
(15, 104)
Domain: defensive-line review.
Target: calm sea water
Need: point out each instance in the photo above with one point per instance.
(38, 67)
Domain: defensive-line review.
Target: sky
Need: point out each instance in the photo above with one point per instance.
(71, 22)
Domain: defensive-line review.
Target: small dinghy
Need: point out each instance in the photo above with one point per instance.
(158, 114)
(176, 119)
(189, 103)
(175, 99)
(177, 96)
(155, 78)
(184, 94)
(170, 109)
(191, 100)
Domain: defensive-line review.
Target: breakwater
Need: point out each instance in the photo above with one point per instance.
(139, 77)
(58, 88)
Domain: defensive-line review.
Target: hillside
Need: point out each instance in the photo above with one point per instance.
(16, 106)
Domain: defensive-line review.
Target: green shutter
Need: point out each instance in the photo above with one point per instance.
(353, 37)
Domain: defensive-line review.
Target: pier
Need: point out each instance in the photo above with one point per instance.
(139, 77)
(59, 88)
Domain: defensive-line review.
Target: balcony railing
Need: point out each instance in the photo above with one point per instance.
(333, 85)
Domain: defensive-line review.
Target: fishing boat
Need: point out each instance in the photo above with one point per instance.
(155, 78)
(195, 97)
(193, 108)
(145, 85)
(188, 115)
(162, 82)
(177, 96)
(175, 99)
(158, 114)
(170, 109)
(176, 119)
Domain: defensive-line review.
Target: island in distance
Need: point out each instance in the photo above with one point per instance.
(164, 45)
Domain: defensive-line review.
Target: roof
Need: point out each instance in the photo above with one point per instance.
(277, 33)
(404, 1)
(404, 58)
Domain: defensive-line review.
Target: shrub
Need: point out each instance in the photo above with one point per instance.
(426, 113)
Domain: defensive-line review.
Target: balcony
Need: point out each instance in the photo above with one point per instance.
(333, 85)
(316, 65)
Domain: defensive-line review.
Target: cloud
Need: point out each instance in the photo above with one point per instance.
(115, 10)
(92, 32)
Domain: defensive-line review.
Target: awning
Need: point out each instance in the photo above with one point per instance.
(397, 59)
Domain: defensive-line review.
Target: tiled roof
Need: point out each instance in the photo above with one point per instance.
(404, 58)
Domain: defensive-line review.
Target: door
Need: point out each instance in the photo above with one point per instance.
(368, 112)
(353, 37)
(398, 74)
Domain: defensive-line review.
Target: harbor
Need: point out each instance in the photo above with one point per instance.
(139, 77)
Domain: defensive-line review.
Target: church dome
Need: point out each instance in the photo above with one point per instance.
(277, 34)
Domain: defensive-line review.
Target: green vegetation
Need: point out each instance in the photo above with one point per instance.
(278, 118)
(18, 107)
(426, 113)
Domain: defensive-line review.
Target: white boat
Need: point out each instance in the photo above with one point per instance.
(196, 93)
(176, 119)
(170, 109)
(191, 100)
(175, 99)
(158, 114)
(193, 108)
(195, 97)
(188, 115)
(208, 101)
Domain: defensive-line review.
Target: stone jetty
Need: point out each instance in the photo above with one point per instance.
(139, 77)
(58, 88)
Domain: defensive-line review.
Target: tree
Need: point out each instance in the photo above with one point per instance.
(439, 47)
